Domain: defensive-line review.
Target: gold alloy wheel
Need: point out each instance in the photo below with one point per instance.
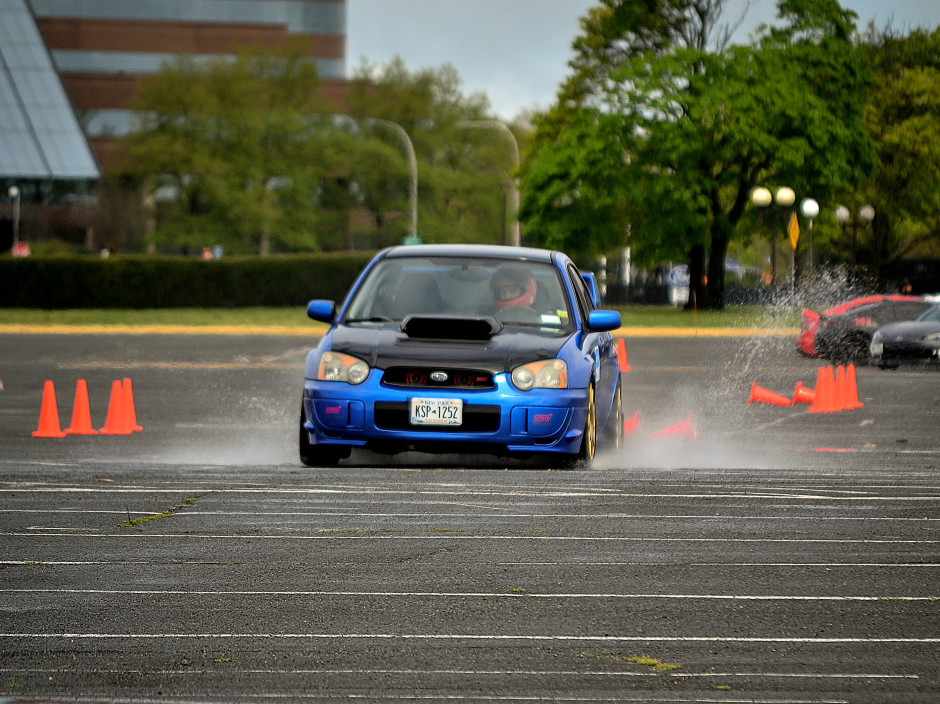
(618, 421)
(589, 443)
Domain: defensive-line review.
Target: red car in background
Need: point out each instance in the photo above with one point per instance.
(843, 334)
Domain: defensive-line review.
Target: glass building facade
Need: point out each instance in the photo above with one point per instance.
(40, 138)
(103, 48)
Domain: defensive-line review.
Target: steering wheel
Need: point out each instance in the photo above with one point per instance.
(519, 314)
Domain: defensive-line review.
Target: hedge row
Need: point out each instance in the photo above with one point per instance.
(174, 282)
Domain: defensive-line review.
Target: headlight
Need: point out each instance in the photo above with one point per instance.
(336, 366)
(933, 340)
(544, 374)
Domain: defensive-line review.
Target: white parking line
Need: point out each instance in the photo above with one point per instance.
(555, 698)
(475, 494)
(471, 637)
(827, 565)
(195, 512)
(464, 595)
(428, 496)
(566, 563)
(499, 673)
(66, 532)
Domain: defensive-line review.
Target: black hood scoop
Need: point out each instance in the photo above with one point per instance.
(445, 327)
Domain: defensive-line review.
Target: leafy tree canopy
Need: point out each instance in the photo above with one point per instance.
(464, 167)
(245, 152)
(220, 140)
(694, 131)
(903, 116)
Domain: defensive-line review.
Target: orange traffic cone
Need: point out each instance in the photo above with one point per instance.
(81, 416)
(826, 400)
(851, 393)
(684, 428)
(129, 411)
(48, 414)
(631, 424)
(622, 355)
(840, 387)
(803, 394)
(762, 395)
(116, 423)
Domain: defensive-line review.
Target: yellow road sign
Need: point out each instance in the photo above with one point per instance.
(793, 230)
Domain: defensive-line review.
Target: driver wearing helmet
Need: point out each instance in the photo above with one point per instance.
(512, 286)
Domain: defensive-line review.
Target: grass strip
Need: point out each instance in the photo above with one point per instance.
(640, 316)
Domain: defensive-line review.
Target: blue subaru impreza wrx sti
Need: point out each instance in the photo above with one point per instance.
(464, 348)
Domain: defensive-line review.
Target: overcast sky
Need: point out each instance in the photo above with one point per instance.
(517, 51)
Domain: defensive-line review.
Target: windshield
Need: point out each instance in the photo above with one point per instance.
(519, 292)
(931, 315)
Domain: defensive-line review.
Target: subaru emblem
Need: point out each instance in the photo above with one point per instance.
(439, 376)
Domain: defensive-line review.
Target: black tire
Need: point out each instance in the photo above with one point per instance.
(613, 433)
(318, 455)
(852, 349)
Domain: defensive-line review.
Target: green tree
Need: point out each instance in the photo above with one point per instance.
(235, 144)
(698, 130)
(903, 116)
(461, 172)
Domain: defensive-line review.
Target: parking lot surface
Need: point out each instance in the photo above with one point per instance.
(749, 553)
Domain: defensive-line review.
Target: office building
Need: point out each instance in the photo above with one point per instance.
(104, 48)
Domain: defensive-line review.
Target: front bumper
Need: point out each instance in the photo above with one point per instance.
(497, 420)
(895, 352)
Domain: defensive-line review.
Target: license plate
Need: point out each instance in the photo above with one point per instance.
(436, 411)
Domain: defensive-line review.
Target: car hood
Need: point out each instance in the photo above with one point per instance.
(909, 330)
(388, 346)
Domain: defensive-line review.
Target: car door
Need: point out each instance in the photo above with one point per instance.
(599, 345)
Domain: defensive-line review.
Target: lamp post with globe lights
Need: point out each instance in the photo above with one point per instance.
(761, 198)
(784, 198)
(865, 215)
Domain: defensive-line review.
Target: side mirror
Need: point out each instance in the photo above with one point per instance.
(321, 310)
(603, 320)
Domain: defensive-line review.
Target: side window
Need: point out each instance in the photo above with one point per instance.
(910, 310)
(580, 292)
(893, 312)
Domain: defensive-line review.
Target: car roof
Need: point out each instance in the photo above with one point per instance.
(490, 251)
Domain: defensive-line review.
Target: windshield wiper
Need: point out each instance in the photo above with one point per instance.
(373, 319)
(526, 324)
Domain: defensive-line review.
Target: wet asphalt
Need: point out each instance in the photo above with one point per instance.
(730, 552)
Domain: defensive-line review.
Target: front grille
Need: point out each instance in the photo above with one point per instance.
(394, 415)
(424, 378)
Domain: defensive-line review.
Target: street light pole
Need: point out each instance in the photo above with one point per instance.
(810, 209)
(761, 198)
(413, 162)
(14, 193)
(515, 237)
(784, 198)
